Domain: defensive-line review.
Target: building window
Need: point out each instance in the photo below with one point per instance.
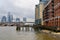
(46, 22)
(52, 5)
(52, 1)
(53, 11)
(53, 15)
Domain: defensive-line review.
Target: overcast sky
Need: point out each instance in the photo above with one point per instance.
(19, 8)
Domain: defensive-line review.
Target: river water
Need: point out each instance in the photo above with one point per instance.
(10, 33)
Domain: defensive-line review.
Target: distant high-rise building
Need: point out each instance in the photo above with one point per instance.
(3, 19)
(17, 20)
(10, 17)
(24, 19)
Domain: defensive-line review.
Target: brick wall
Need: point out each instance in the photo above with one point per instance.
(51, 14)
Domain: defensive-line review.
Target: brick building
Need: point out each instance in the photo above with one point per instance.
(51, 13)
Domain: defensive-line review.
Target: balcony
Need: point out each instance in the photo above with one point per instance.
(49, 10)
(56, 6)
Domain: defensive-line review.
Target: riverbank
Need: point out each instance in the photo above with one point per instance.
(51, 33)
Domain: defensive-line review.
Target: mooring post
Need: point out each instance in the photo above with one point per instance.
(18, 26)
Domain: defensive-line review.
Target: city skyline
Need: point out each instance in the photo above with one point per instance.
(19, 8)
(10, 18)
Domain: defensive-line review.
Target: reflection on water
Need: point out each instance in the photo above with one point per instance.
(10, 33)
(24, 29)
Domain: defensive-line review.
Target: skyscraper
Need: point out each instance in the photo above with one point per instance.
(17, 20)
(10, 17)
(24, 19)
(3, 19)
(39, 13)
